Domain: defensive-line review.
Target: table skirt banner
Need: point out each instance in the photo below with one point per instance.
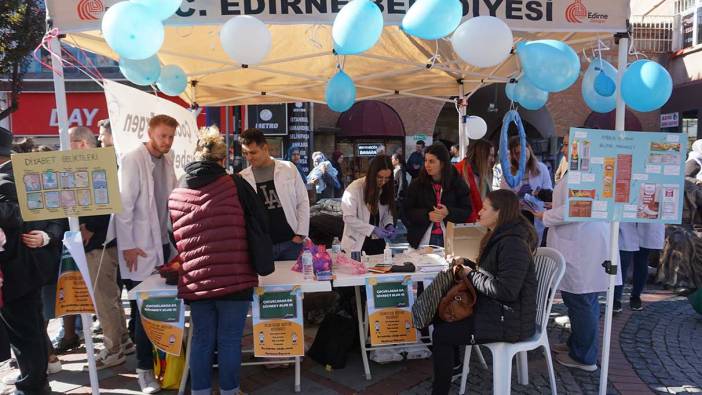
(278, 329)
(74, 290)
(389, 301)
(163, 319)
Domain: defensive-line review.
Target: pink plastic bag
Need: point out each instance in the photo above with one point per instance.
(356, 267)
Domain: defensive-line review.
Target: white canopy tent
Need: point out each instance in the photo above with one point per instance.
(301, 60)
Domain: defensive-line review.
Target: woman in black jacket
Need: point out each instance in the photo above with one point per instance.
(437, 196)
(505, 282)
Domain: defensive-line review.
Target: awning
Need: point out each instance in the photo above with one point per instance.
(371, 119)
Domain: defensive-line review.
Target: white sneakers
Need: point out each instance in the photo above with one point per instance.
(565, 360)
(147, 381)
(54, 367)
(106, 360)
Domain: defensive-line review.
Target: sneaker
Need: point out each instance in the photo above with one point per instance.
(62, 346)
(563, 321)
(105, 360)
(54, 367)
(11, 378)
(635, 304)
(566, 360)
(560, 348)
(128, 347)
(617, 308)
(147, 381)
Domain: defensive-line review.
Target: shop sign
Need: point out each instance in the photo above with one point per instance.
(271, 119)
(670, 120)
(369, 149)
(300, 133)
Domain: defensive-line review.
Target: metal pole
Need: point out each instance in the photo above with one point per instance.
(614, 237)
(462, 140)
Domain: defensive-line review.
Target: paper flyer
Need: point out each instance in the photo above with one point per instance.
(389, 301)
(278, 329)
(60, 184)
(74, 290)
(163, 319)
(627, 176)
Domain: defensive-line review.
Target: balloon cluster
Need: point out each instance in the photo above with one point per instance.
(134, 30)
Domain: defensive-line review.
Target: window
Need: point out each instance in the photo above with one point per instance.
(690, 126)
(699, 26)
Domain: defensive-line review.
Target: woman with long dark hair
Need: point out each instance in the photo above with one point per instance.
(505, 283)
(438, 195)
(476, 170)
(368, 206)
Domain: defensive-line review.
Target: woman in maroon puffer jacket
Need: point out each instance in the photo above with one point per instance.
(217, 278)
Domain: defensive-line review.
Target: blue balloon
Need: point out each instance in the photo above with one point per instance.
(341, 92)
(529, 96)
(550, 65)
(172, 81)
(597, 102)
(357, 27)
(509, 90)
(646, 86)
(161, 9)
(132, 31)
(604, 86)
(433, 19)
(141, 72)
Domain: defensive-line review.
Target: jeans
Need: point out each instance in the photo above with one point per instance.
(640, 262)
(447, 337)
(286, 251)
(217, 323)
(144, 349)
(584, 314)
(23, 320)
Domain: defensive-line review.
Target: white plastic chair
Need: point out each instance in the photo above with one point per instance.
(550, 267)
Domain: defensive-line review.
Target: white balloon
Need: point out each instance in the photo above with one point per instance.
(475, 127)
(483, 41)
(245, 39)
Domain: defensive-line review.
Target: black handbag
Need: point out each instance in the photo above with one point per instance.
(257, 235)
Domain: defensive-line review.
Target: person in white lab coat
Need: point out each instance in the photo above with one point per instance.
(585, 246)
(368, 205)
(636, 243)
(146, 179)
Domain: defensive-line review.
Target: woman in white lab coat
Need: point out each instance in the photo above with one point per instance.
(368, 206)
(585, 246)
(636, 243)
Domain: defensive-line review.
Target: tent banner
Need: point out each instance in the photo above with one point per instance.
(521, 15)
(130, 111)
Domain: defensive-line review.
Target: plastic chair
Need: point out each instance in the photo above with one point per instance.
(550, 267)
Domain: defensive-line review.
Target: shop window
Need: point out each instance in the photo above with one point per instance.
(690, 126)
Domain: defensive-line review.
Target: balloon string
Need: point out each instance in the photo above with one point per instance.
(432, 61)
(44, 44)
(312, 38)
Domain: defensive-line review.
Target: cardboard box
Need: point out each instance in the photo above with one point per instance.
(464, 240)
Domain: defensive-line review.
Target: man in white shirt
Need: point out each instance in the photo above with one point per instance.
(280, 188)
(146, 179)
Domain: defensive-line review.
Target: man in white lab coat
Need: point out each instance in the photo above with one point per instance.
(146, 179)
(636, 243)
(585, 246)
(283, 193)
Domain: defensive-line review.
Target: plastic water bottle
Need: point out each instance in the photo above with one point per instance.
(336, 249)
(307, 265)
(387, 255)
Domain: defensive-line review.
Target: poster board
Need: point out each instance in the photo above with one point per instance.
(60, 184)
(463, 240)
(278, 329)
(389, 301)
(163, 319)
(625, 176)
(74, 289)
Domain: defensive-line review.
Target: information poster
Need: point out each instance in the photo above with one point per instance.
(278, 329)
(74, 291)
(163, 319)
(300, 136)
(60, 184)
(389, 301)
(625, 176)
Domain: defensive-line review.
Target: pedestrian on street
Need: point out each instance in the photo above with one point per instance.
(416, 159)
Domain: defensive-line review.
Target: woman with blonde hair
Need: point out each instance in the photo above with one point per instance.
(217, 276)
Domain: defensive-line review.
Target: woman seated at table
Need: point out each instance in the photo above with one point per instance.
(505, 282)
(368, 207)
(217, 277)
(437, 196)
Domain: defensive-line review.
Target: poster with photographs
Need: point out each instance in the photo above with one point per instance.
(61, 184)
(625, 176)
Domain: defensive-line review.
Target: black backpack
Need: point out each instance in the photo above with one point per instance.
(335, 338)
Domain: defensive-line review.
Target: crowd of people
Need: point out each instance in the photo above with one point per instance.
(216, 223)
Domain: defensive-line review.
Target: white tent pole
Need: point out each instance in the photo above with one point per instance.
(614, 237)
(462, 141)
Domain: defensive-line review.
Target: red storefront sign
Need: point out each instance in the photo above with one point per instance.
(36, 115)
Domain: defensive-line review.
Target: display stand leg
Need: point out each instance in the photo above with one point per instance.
(90, 351)
(186, 368)
(362, 331)
(297, 374)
